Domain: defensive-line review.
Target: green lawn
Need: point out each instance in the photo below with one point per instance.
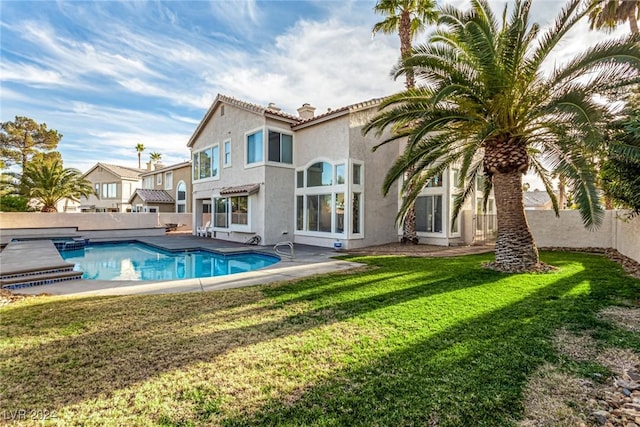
(404, 341)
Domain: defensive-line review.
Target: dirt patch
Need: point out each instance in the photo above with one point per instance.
(623, 317)
(616, 403)
(554, 398)
(578, 347)
(7, 297)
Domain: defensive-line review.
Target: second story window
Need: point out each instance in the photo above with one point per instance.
(227, 153)
(159, 179)
(254, 147)
(280, 147)
(109, 190)
(205, 163)
(168, 180)
(147, 182)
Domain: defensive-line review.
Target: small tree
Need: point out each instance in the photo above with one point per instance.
(22, 138)
(48, 183)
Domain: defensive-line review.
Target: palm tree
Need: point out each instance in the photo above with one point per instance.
(488, 106)
(155, 157)
(407, 18)
(48, 183)
(139, 149)
(608, 14)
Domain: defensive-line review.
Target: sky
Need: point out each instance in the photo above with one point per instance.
(109, 75)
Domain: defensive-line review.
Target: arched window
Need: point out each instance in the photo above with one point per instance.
(181, 197)
(319, 174)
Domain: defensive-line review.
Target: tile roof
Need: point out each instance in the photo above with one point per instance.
(124, 172)
(152, 196)
(339, 111)
(240, 189)
(167, 168)
(293, 120)
(255, 107)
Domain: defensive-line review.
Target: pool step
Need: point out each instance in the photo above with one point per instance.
(33, 263)
(37, 278)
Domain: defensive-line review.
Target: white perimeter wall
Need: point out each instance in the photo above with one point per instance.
(27, 224)
(568, 231)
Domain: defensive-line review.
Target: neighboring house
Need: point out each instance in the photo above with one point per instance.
(164, 189)
(113, 186)
(68, 205)
(313, 180)
(537, 200)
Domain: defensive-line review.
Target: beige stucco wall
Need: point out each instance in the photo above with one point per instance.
(279, 205)
(88, 221)
(116, 224)
(379, 212)
(628, 238)
(568, 231)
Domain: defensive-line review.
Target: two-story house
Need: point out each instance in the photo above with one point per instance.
(113, 185)
(311, 179)
(164, 189)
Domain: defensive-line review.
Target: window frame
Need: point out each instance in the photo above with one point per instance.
(280, 132)
(230, 225)
(225, 144)
(159, 179)
(168, 180)
(180, 202)
(255, 163)
(443, 221)
(338, 195)
(214, 163)
(106, 190)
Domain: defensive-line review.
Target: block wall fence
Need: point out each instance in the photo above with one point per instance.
(548, 230)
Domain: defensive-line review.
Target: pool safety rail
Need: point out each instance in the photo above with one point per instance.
(281, 253)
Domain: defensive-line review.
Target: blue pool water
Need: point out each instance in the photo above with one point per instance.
(137, 261)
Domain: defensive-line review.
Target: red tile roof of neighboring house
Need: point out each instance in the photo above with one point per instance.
(240, 189)
(152, 196)
(168, 168)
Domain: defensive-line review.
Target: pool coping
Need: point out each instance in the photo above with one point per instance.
(308, 261)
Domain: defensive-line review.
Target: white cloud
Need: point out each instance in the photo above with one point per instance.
(239, 15)
(328, 64)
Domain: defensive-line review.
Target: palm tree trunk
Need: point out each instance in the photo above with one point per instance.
(633, 23)
(409, 234)
(515, 247)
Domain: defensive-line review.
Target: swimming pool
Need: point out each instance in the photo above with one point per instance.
(137, 261)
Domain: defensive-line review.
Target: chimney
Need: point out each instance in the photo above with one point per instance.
(273, 106)
(151, 166)
(306, 111)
